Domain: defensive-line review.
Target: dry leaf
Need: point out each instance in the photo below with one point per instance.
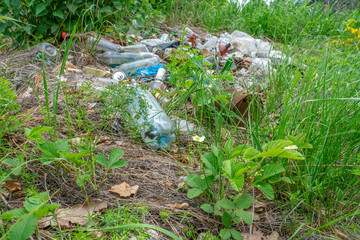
(178, 205)
(69, 217)
(256, 235)
(38, 78)
(99, 235)
(273, 236)
(124, 189)
(8, 187)
(95, 71)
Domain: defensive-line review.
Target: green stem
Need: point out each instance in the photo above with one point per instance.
(102, 180)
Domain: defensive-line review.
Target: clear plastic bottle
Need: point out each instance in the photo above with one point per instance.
(131, 67)
(114, 59)
(48, 49)
(159, 132)
(133, 48)
(102, 45)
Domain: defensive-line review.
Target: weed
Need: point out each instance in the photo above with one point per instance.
(35, 207)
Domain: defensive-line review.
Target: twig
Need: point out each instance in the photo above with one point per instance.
(253, 211)
(5, 202)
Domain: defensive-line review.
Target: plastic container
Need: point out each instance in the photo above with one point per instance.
(114, 59)
(159, 132)
(48, 49)
(131, 67)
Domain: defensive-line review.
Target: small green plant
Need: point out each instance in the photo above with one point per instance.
(228, 175)
(8, 108)
(18, 162)
(124, 214)
(35, 207)
(79, 161)
(117, 101)
(113, 162)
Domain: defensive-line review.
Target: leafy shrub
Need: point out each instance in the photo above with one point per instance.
(8, 107)
(39, 19)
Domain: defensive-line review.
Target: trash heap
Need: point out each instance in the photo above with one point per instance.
(238, 52)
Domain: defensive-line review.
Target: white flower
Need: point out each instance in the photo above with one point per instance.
(291, 147)
(209, 86)
(198, 138)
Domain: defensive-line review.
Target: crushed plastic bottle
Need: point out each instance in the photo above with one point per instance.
(48, 49)
(238, 34)
(159, 133)
(263, 47)
(245, 46)
(209, 45)
(131, 67)
(114, 59)
(225, 38)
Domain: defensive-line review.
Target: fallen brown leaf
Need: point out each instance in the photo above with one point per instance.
(9, 187)
(124, 189)
(37, 79)
(178, 205)
(70, 217)
(3, 116)
(256, 235)
(273, 236)
(95, 72)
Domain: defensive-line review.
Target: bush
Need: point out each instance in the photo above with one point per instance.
(39, 19)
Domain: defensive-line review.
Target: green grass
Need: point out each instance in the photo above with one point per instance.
(320, 100)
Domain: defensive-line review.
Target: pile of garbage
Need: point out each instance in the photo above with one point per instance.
(146, 60)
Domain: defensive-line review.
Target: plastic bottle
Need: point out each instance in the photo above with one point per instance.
(86, 35)
(131, 67)
(159, 133)
(48, 49)
(102, 45)
(133, 48)
(114, 59)
(158, 82)
(211, 44)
